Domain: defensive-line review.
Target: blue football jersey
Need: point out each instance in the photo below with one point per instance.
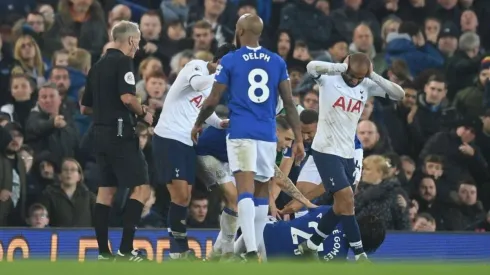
(282, 238)
(357, 143)
(212, 142)
(252, 76)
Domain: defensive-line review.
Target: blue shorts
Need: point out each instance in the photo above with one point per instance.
(336, 172)
(174, 160)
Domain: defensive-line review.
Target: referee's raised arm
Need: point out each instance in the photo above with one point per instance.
(126, 36)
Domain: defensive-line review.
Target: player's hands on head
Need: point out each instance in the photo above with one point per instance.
(298, 152)
(59, 121)
(225, 123)
(196, 130)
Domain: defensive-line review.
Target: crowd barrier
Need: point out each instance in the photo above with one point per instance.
(56, 244)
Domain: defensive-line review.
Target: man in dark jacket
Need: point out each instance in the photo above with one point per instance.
(317, 30)
(12, 176)
(462, 157)
(47, 128)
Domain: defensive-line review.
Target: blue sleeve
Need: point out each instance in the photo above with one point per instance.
(357, 143)
(222, 75)
(284, 70)
(430, 57)
(287, 153)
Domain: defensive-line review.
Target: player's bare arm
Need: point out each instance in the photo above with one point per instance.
(293, 119)
(317, 68)
(294, 205)
(289, 188)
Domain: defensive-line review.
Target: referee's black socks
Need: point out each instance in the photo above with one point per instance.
(101, 225)
(131, 218)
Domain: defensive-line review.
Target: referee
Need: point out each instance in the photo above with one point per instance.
(110, 98)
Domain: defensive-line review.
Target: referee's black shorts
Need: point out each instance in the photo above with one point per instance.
(120, 160)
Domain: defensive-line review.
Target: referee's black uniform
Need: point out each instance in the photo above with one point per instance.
(116, 144)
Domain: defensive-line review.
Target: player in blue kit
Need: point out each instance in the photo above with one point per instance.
(254, 78)
(281, 238)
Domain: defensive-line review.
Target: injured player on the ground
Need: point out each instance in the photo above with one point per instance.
(281, 238)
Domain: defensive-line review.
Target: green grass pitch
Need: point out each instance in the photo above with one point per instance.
(206, 268)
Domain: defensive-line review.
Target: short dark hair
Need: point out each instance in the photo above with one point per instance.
(300, 44)
(197, 195)
(410, 28)
(67, 32)
(174, 23)
(223, 50)
(35, 207)
(437, 78)
(140, 128)
(308, 116)
(282, 122)
(407, 84)
(202, 24)
(373, 232)
(434, 159)
(57, 67)
(426, 216)
(394, 160)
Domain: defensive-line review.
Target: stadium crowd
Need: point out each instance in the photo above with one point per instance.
(425, 158)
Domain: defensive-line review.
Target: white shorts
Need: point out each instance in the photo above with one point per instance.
(309, 172)
(250, 155)
(214, 171)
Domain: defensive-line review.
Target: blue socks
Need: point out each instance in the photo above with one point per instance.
(327, 224)
(351, 230)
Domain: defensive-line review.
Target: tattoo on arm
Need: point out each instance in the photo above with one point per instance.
(288, 186)
(210, 103)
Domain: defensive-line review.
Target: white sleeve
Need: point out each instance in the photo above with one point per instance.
(358, 157)
(201, 82)
(317, 68)
(383, 87)
(214, 121)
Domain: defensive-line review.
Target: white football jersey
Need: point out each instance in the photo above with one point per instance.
(340, 108)
(182, 104)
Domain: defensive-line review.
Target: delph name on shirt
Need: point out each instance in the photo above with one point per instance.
(253, 56)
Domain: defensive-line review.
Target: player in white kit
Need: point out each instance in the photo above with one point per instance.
(344, 90)
(173, 150)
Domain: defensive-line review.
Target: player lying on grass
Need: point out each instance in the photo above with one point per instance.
(213, 168)
(281, 238)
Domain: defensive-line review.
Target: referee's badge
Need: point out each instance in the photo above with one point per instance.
(129, 78)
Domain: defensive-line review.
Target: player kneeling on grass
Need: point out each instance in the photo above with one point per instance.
(281, 238)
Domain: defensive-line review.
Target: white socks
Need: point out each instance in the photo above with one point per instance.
(246, 221)
(228, 225)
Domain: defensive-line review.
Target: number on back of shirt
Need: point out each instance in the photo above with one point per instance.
(258, 78)
(295, 233)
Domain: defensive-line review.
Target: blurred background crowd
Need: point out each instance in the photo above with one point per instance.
(426, 157)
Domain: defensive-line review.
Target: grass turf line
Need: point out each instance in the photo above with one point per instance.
(204, 268)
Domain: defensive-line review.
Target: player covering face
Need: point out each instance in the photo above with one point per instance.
(254, 78)
(344, 90)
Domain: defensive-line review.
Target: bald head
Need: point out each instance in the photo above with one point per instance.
(250, 23)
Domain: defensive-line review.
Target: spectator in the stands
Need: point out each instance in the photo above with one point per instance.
(69, 40)
(36, 21)
(60, 58)
(151, 34)
(408, 166)
(483, 137)
(363, 41)
(13, 180)
(369, 136)
(29, 59)
(47, 128)
(150, 218)
(175, 10)
(351, 15)
(284, 44)
(468, 102)
(409, 45)
(311, 99)
(316, 31)
(21, 89)
(48, 13)
(471, 209)
(198, 212)
(424, 222)
(147, 67)
(69, 203)
(79, 64)
(85, 19)
(462, 68)
(37, 216)
(203, 36)
(469, 21)
(448, 39)
(428, 115)
(432, 28)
